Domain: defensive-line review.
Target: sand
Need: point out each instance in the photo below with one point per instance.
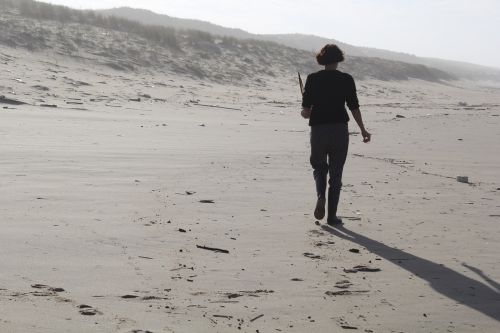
(105, 201)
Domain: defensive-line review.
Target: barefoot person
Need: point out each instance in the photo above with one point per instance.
(325, 95)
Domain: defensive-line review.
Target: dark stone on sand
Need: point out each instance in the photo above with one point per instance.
(129, 296)
(362, 268)
(5, 100)
(182, 230)
(347, 327)
(400, 116)
(39, 286)
(354, 250)
(48, 105)
(89, 312)
(207, 201)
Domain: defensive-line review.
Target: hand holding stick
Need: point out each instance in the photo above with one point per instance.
(306, 112)
(301, 84)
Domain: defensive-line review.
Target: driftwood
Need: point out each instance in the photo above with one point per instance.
(254, 319)
(217, 106)
(223, 316)
(212, 249)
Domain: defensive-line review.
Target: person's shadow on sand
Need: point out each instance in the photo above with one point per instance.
(454, 285)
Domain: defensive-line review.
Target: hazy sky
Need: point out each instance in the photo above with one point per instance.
(466, 30)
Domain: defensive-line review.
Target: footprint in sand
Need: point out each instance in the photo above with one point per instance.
(312, 256)
(45, 290)
(87, 310)
(362, 268)
(344, 284)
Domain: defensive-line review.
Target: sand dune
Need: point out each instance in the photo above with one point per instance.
(128, 46)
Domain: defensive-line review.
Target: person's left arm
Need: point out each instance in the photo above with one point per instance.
(353, 105)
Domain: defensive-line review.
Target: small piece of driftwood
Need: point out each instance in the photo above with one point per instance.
(212, 249)
(259, 316)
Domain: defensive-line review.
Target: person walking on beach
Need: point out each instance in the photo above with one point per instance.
(323, 102)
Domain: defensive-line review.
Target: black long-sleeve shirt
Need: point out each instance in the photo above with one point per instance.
(327, 92)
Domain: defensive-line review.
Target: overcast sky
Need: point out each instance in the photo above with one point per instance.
(466, 30)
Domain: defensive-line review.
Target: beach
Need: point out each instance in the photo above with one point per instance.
(159, 203)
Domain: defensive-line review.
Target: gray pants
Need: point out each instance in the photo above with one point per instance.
(329, 145)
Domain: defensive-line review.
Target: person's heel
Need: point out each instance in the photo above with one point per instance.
(334, 221)
(319, 211)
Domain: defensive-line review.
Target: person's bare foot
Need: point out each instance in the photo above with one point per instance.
(319, 211)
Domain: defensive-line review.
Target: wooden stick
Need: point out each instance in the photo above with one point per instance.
(259, 316)
(212, 249)
(301, 84)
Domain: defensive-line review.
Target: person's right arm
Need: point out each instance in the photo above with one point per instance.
(307, 100)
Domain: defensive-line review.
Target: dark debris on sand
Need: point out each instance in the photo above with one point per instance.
(5, 100)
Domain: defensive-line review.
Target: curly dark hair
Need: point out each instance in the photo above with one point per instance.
(329, 54)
